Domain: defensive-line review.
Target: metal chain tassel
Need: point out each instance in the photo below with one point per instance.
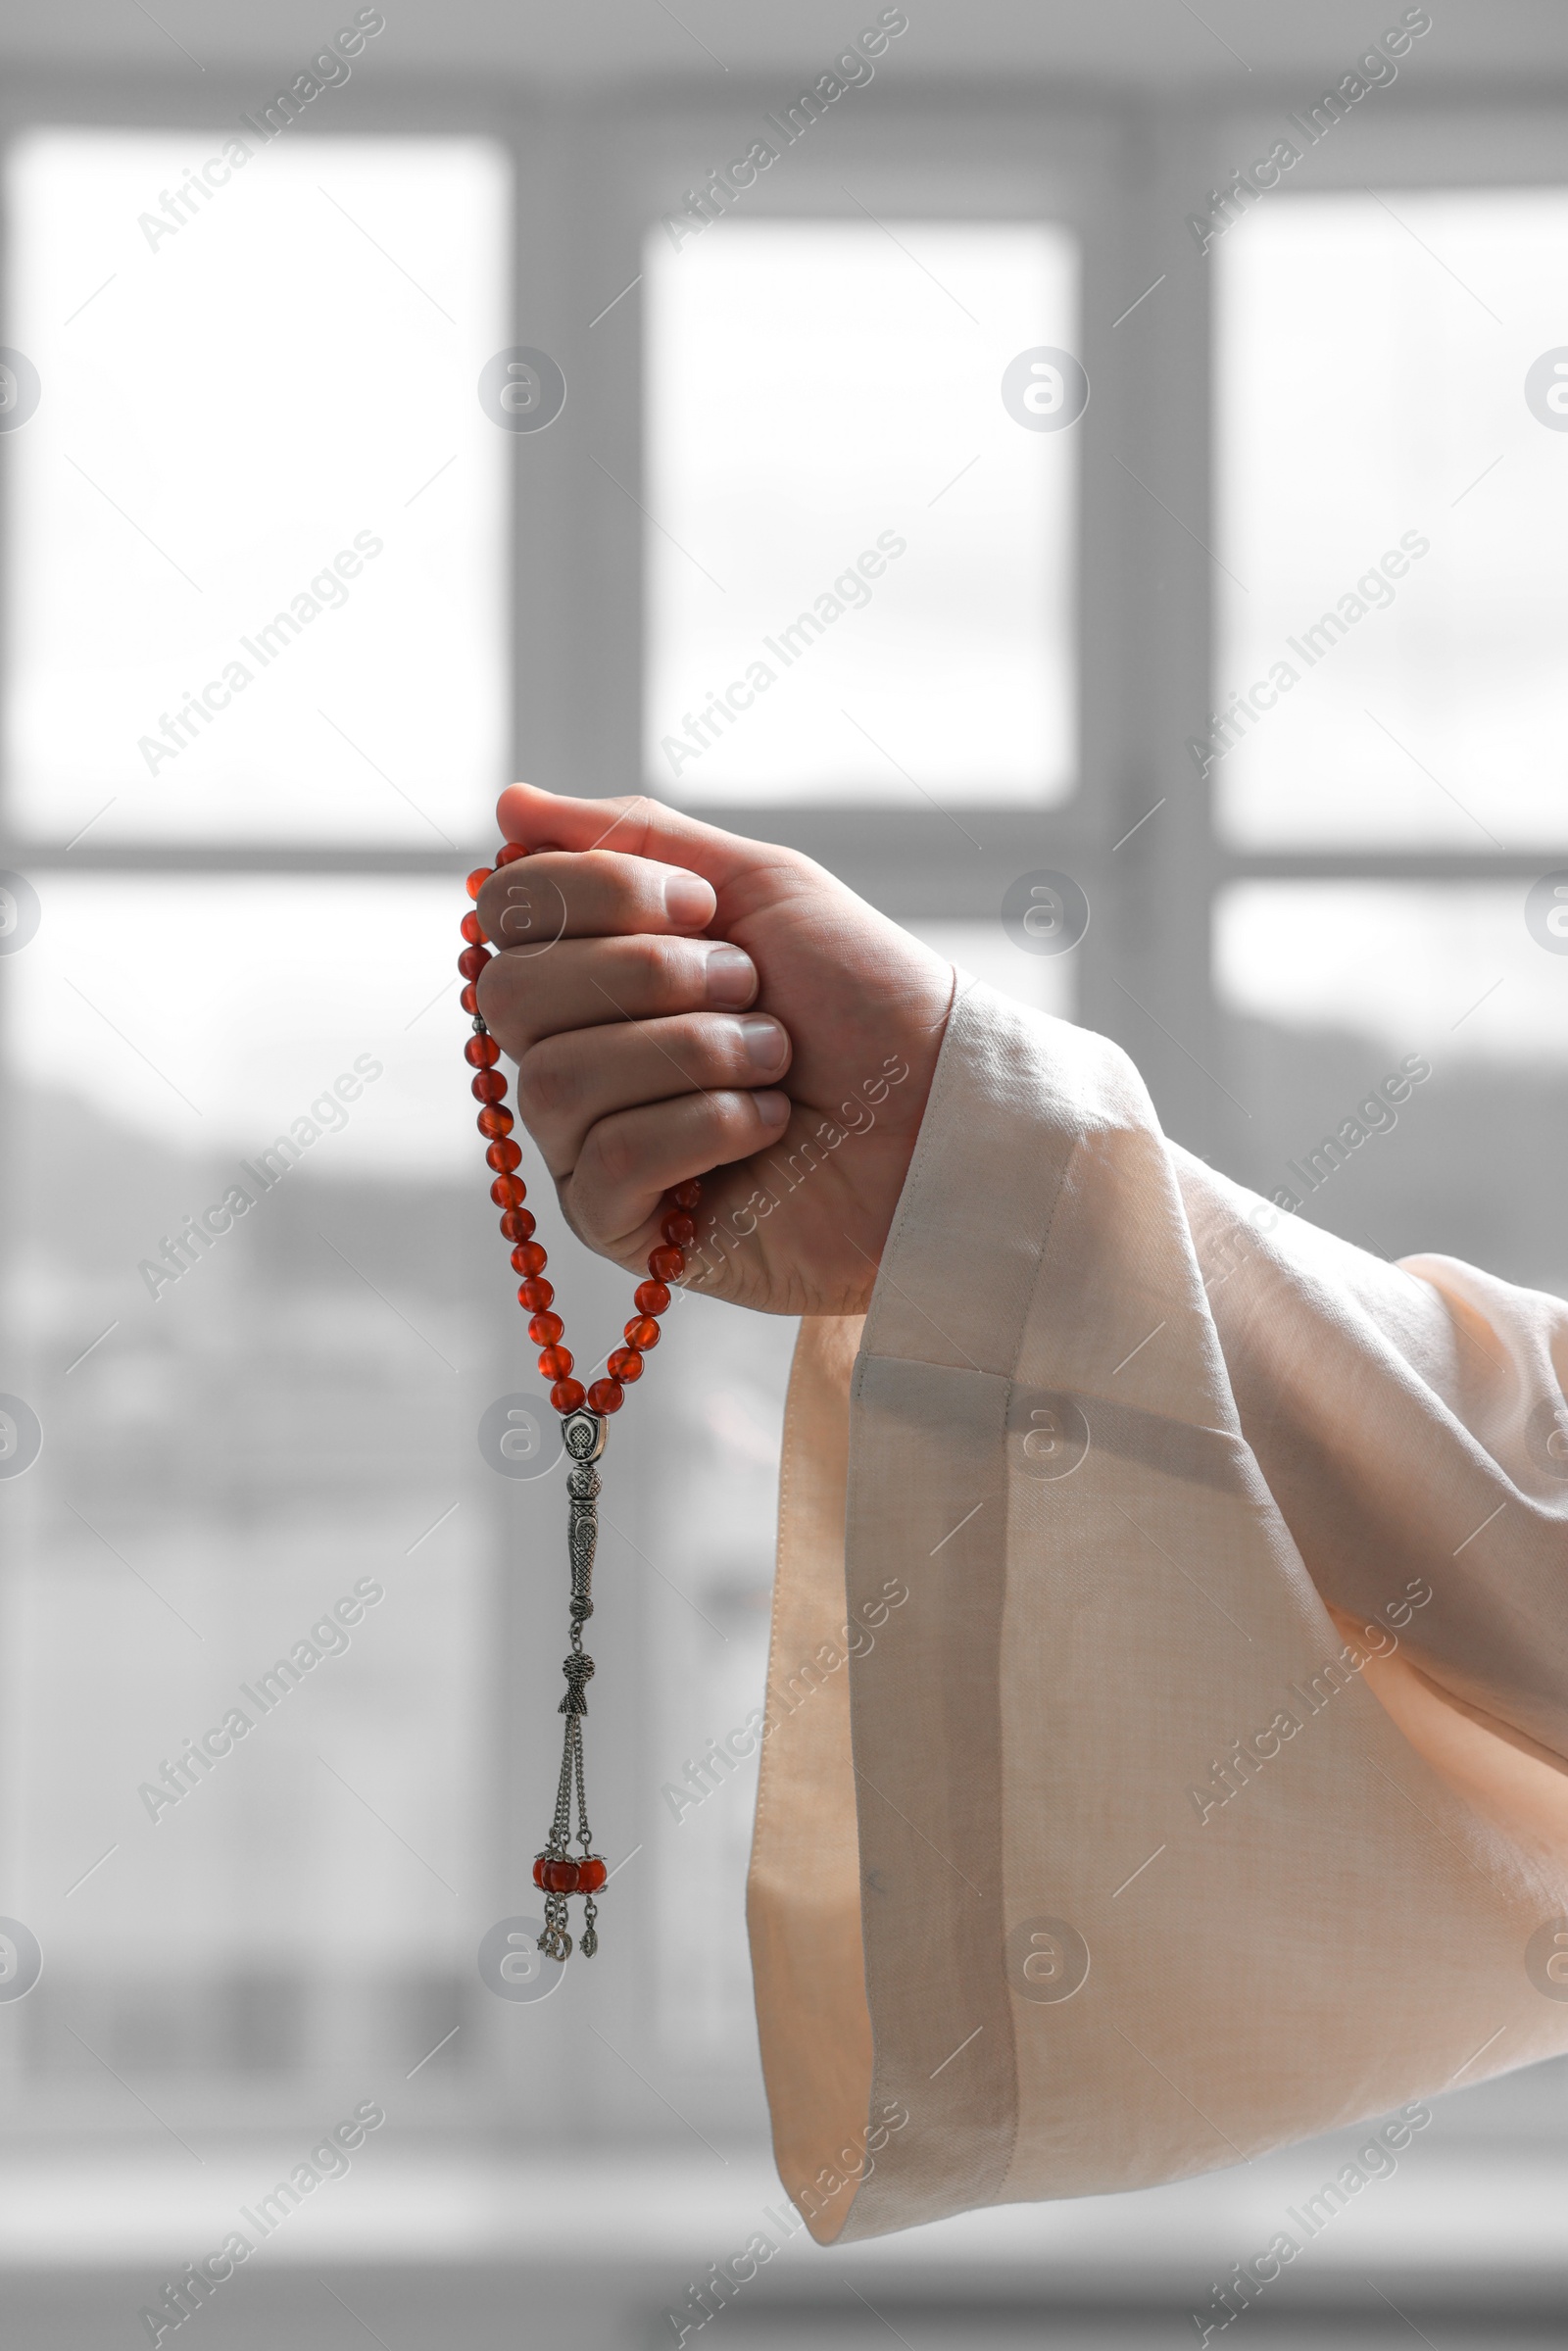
(556, 1869)
(584, 1410)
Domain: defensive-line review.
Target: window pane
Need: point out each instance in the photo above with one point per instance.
(985, 951)
(1331, 988)
(207, 1016)
(234, 1449)
(256, 550)
(1386, 458)
(823, 391)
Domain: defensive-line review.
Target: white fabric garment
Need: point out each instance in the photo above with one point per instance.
(1166, 1750)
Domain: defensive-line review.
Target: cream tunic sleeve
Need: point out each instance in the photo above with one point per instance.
(1199, 1778)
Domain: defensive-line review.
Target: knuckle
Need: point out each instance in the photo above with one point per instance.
(712, 1049)
(611, 1153)
(544, 1084)
(655, 969)
(732, 1112)
(714, 1116)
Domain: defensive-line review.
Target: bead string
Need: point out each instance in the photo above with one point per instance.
(556, 1870)
(665, 1262)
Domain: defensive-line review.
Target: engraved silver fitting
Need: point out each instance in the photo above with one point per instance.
(584, 1432)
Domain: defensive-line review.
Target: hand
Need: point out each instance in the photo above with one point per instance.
(683, 1002)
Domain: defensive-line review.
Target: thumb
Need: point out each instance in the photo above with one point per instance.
(636, 826)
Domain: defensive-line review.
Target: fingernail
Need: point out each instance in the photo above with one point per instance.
(764, 1041)
(731, 978)
(772, 1108)
(689, 901)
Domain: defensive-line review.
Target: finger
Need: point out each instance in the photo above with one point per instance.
(584, 983)
(635, 825)
(631, 1159)
(568, 1083)
(550, 896)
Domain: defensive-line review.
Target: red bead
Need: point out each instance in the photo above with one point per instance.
(468, 998)
(504, 1156)
(566, 1396)
(678, 1228)
(626, 1364)
(605, 1396)
(509, 1192)
(472, 961)
(536, 1294)
(666, 1264)
(557, 1877)
(517, 1224)
(470, 927)
(493, 1120)
(545, 1328)
(488, 1085)
(591, 1875)
(642, 1335)
(554, 1362)
(687, 1194)
(509, 852)
(651, 1297)
(529, 1259)
(478, 879)
(482, 1053)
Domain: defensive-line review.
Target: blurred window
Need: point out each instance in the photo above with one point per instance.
(860, 579)
(1390, 592)
(1390, 407)
(256, 557)
(1331, 987)
(255, 578)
